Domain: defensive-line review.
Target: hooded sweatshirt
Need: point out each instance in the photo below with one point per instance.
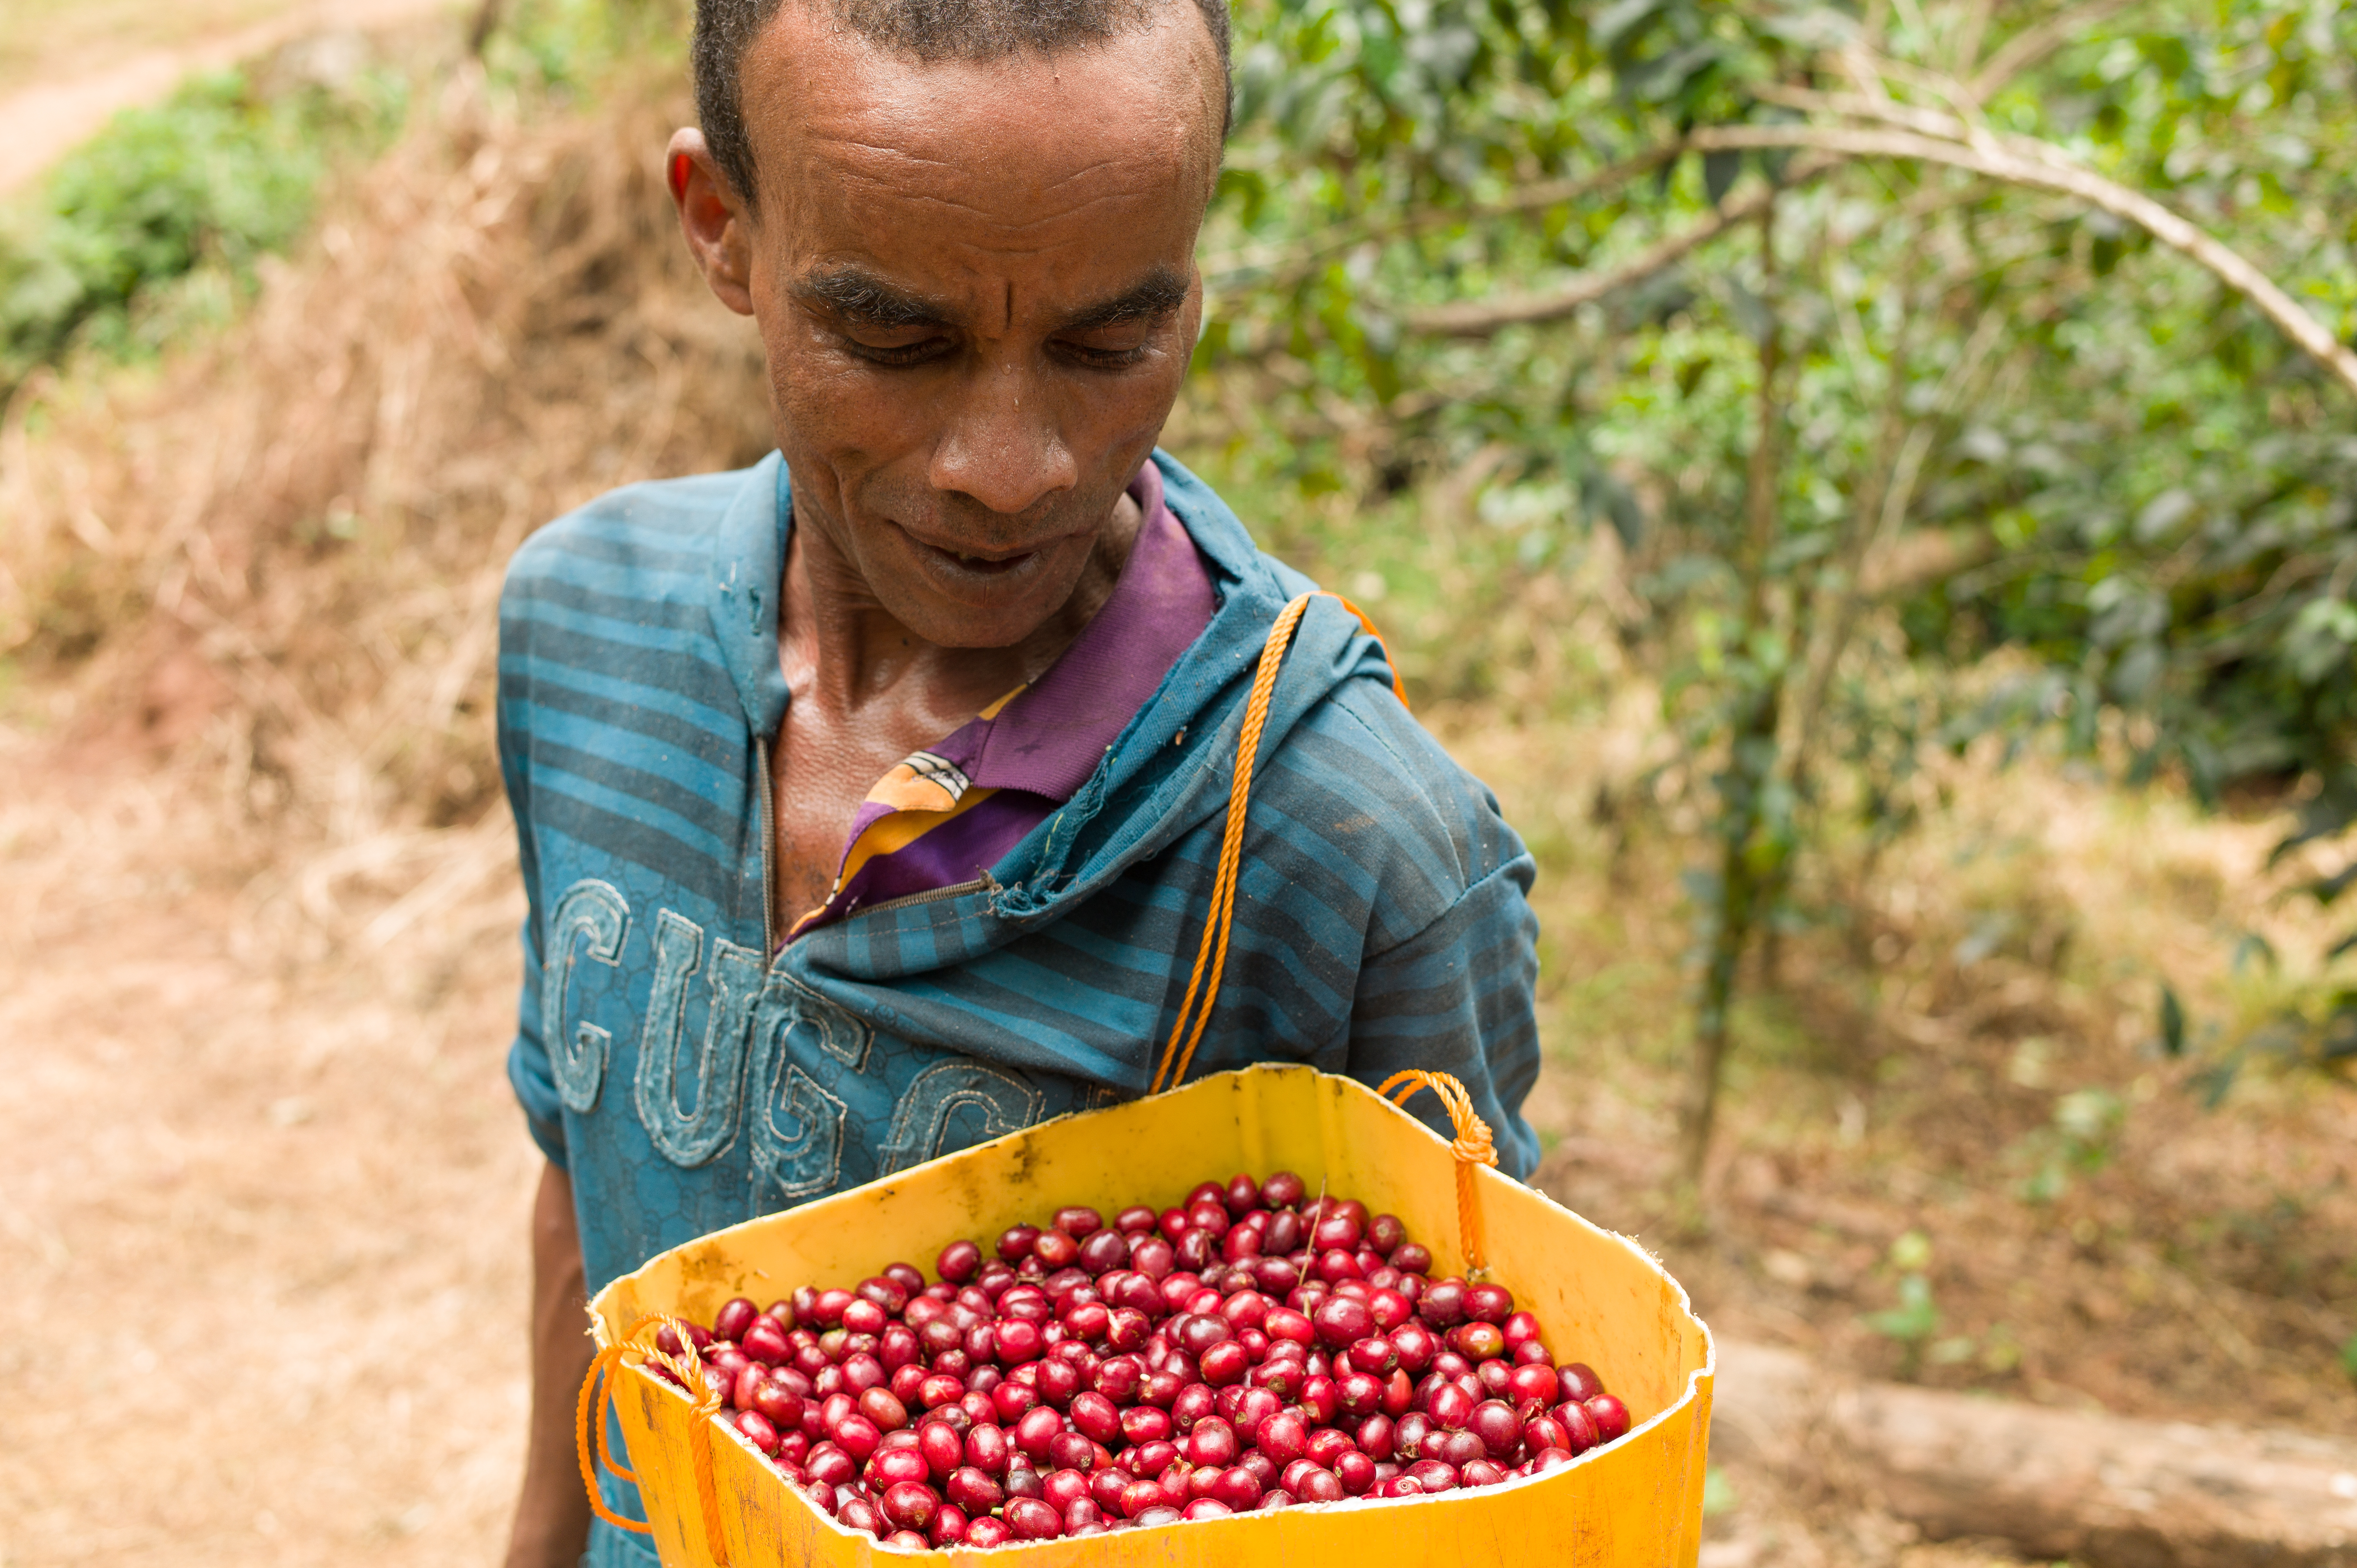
(690, 1072)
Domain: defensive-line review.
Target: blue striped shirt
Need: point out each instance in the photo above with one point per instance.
(689, 1082)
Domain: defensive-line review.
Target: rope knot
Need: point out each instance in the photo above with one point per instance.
(1479, 1149)
(589, 1422)
(1472, 1146)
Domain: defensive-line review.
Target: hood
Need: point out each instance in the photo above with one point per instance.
(1168, 771)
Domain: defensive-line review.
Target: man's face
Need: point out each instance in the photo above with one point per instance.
(975, 284)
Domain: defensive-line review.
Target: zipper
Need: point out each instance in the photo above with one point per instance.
(768, 853)
(930, 896)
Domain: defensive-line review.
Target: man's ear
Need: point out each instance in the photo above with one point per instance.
(712, 217)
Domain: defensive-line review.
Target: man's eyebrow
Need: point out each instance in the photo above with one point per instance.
(1161, 292)
(861, 298)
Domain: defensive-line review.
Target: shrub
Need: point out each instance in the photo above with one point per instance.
(209, 181)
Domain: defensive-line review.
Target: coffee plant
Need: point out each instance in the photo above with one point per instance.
(2014, 327)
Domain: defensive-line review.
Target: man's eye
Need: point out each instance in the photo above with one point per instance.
(1098, 358)
(897, 353)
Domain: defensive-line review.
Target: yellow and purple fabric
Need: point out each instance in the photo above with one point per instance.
(943, 816)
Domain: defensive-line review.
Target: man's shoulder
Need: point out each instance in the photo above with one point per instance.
(656, 536)
(1361, 784)
(1394, 759)
(607, 626)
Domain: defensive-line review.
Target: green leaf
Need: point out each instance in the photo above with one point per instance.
(2325, 889)
(1600, 492)
(1719, 170)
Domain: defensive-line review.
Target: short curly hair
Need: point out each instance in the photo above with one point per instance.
(930, 29)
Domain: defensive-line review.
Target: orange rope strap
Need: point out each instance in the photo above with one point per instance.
(1399, 688)
(1471, 1148)
(1211, 953)
(590, 1417)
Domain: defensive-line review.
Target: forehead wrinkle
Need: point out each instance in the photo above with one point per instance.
(848, 132)
(1148, 183)
(1082, 173)
(942, 201)
(1149, 95)
(880, 149)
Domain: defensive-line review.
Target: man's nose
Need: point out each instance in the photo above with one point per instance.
(1003, 444)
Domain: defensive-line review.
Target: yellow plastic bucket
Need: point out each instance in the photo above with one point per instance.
(1634, 1504)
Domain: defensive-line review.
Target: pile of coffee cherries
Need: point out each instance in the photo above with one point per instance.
(1249, 1348)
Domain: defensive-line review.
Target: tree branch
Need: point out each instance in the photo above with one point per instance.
(2001, 163)
(1483, 318)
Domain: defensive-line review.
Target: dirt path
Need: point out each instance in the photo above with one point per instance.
(262, 1216)
(38, 124)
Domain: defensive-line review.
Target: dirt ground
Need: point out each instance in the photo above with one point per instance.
(262, 1217)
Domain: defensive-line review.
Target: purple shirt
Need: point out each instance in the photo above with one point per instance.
(941, 817)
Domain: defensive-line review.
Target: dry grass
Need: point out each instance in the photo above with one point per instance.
(287, 546)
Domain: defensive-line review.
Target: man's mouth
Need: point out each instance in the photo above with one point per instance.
(986, 566)
(978, 564)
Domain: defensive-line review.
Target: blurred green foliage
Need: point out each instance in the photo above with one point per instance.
(158, 224)
(573, 49)
(1937, 406)
(181, 198)
(1915, 1320)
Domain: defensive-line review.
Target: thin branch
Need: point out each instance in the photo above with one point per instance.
(1759, 510)
(1861, 106)
(1834, 605)
(1968, 129)
(2310, 335)
(1975, 29)
(1744, 887)
(1868, 71)
(1480, 319)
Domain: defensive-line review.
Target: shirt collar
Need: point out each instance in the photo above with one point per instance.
(1049, 737)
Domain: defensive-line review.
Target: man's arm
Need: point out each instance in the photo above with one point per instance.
(552, 1518)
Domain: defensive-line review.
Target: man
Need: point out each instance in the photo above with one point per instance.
(870, 799)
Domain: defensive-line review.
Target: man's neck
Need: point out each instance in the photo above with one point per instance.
(841, 648)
